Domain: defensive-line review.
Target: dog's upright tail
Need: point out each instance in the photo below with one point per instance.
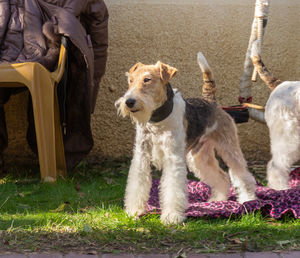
(271, 81)
(209, 85)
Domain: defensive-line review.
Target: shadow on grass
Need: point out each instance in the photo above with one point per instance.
(88, 186)
(148, 235)
(85, 212)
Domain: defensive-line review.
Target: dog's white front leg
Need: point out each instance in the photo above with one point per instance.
(139, 178)
(173, 186)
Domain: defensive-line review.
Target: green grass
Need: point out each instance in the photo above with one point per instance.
(85, 213)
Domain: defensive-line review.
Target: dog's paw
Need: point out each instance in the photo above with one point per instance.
(246, 192)
(246, 198)
(172, 218)
(278, 184)
(217, 198)
(135, 212)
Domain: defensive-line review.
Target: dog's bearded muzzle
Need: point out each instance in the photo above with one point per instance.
(134, 108)
(127, 106)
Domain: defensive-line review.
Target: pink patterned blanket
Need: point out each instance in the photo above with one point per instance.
(269, 202)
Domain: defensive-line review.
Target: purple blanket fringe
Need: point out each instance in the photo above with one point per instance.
(269, 202)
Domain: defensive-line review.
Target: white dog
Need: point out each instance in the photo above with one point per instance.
(282, 114)
(171, 133)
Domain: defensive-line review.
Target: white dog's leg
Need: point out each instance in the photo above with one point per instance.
(139, 178)
(285, 149)
(278, 175)
(173, 186)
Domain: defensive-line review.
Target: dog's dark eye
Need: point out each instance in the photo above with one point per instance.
(147, 79)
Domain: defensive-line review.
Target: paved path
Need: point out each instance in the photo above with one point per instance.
(295, 254)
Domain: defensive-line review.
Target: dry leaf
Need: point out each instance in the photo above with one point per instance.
(77, 187)
(108, 181)
(236, 240)
(92, 252)
(60, 207)
(143, 230)
(81, 194)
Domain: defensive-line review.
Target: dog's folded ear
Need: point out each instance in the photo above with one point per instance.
(166, 72)
(50, 31)
(134, 67)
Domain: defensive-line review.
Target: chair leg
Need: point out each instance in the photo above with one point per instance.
(46, 124)
(59, 146)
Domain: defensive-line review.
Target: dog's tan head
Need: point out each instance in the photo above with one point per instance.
(146, 92)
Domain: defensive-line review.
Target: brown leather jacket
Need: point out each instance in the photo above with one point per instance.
(85, 23)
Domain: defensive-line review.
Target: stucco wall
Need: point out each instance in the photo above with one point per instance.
(173, 31)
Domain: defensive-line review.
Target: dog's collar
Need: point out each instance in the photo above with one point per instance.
(165, 110)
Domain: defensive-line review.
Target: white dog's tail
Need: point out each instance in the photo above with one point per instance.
(271, 81)
(209, 85)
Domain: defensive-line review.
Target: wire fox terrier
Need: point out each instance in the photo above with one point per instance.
(282, 114)
(173, 133)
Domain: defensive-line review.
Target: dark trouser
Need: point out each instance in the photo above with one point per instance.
(4, 97)
(5, 94)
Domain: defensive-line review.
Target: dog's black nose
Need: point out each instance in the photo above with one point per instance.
(130, 103)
